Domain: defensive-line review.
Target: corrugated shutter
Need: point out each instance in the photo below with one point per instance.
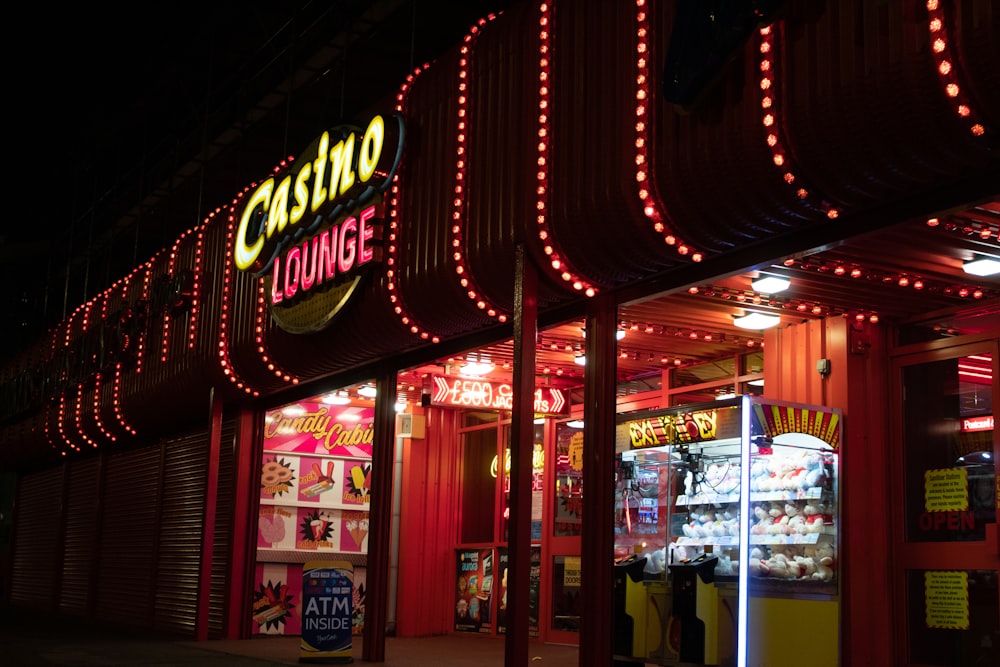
(37, 539)
(126, 563)
(80, 537)
(180, 532)
(225, 510)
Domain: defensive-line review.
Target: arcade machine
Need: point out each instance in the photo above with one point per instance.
(726, 531)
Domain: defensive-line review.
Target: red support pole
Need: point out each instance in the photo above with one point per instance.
(521, 447)
(597, 539)
(208, 524)
(380, 519)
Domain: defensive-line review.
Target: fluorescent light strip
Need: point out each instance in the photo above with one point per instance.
(743, 593)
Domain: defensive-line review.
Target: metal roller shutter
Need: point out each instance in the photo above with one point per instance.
(80, 537)
(127, 558)
(180, 532)
(222, 550)
(37, 539)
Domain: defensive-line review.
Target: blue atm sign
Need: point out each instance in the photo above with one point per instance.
(327, 599)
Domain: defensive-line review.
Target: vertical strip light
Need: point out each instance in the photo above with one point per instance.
(97, 376)
(557, 262)
(259, 328)
(462, 270)
(227, 290)
(771, 120)
(165, 337)
(199, 262)
(652, 203)
(743, 592)
(947, 70)
(392, 248)
(143, 331)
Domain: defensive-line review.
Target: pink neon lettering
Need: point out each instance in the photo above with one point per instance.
(308, 270)
(365, 234)
(293, 263)
(348, 231)
(276, 295)
(334, 251)
(327, 254)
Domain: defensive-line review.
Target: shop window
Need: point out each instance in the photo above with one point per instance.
(566, 593)
(568, 487)
(479, 473)
(952, 617)
(948, 431)
(537, 487)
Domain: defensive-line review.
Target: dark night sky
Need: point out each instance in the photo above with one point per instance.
(100, 88)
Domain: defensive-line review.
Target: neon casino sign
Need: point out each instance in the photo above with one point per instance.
(311, 231)
(464, 393)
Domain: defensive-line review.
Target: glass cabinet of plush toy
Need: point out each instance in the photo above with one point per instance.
(746, 488)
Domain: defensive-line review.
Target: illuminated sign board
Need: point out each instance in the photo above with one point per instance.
(973, 424)
(673, 429)
(311, 230)
(466, 393)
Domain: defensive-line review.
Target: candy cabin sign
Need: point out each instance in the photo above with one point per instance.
(311, 231)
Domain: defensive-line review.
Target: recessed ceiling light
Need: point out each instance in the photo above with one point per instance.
(757, 321)
(982, 267)
(770, 284)
(368, 391)
(575, 423)
(337, 398)
(476, 366)
(580, 359)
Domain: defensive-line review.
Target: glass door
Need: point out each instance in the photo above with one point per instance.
(945, 536)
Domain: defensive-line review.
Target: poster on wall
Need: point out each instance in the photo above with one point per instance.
(474, 590)
(534, 589)
(327, 599)
(277, 599)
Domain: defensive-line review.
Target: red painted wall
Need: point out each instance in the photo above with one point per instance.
(428, 528)
(857, 385)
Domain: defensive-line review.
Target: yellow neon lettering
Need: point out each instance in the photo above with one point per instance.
(319, 192)
(278, 217)
(245, 255)
(341, 174)
(371, 148)
(301, 194)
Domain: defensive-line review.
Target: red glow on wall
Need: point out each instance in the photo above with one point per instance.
(557, 262)
(463, 271)
(392, 246)
(653, 207)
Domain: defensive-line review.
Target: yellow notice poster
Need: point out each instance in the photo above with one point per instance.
(946, 490)
(947, 600)
(571, 571)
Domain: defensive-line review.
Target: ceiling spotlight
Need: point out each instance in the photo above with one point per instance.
(619, 332)
(575, 423)
(580, 359)
(757, 321)
(367, 391)
(337, 398)
(982, 267)
(400, 406)
(770, 284)
(476, 367)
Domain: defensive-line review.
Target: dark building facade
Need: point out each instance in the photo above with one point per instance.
(601, 166)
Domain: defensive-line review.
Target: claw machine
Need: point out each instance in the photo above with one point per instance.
(726, 535)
